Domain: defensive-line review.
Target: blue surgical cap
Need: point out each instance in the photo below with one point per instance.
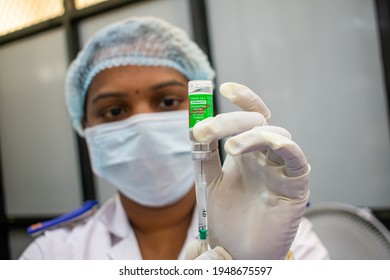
(142, 41)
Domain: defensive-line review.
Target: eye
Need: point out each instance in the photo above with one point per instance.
(170, 103)
(113, 113)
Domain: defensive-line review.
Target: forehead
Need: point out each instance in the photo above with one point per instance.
(134, 77)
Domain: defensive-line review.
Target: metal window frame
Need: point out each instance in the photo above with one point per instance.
(382, 8)
(383, 20)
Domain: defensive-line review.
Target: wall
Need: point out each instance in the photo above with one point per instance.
(317, 65)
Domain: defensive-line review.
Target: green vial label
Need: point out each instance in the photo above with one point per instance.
(201, 107)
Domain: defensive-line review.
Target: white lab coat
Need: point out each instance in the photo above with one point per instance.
(108, 235)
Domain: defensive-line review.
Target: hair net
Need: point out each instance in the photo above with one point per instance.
(142, 41)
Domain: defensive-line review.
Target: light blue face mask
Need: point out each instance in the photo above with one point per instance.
(147, 156)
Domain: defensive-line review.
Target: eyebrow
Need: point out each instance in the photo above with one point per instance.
(153, 88)
(107, 95)
(166, 84)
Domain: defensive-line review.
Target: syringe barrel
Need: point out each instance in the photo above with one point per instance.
(201, 201)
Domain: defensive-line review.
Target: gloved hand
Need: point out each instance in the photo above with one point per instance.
(194, 252)
(256, 200)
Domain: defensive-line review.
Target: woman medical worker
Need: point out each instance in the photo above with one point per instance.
(127, 94)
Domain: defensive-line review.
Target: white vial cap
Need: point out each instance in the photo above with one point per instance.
(200, 86)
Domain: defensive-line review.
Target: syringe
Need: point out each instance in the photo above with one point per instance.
(200, 97)
(201, 198)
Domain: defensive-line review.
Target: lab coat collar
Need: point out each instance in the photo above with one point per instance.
(113, 216)
(124, 244)
(124, 241)
(125, 249)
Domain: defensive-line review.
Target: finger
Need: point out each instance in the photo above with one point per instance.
(227, 124)
(261, 138)
(245, 98)
(192, 250)
(294, 158)
(248, 141)
(217, 253)
(271, 155)
(251, 142)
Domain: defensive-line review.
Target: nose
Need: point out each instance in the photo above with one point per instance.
(142, 108)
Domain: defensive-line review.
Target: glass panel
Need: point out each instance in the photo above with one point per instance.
(317, 65)
(38, 149)
(19, 14)
(81, 4)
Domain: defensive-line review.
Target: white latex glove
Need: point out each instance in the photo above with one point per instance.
(256, 200)
(194, 252)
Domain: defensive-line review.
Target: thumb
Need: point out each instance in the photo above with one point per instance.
(217, 253)
(211, 167)
(193, 251)
(210, 130)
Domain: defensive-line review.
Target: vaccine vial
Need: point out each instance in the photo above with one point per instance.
(200, 95)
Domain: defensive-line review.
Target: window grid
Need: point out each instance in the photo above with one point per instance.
(81, 4)
(19, 14)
